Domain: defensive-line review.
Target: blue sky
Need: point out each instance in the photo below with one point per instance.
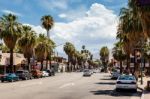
(83, 22)
(30, 11)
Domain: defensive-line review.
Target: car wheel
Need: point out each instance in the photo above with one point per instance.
(11, 80)
(2, 81)
(117, 90)
(135, 90)
(17, 79)
(26, 78)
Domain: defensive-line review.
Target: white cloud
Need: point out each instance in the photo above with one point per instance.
(95, 30)
(54, 4)
(62, 15)
(74, 14)
(12, 12)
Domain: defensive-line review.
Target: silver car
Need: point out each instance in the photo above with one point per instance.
(126, 82)
(87, 72)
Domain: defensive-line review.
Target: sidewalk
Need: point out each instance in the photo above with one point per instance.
(145, 94)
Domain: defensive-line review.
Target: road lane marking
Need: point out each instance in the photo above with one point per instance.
(67, 85)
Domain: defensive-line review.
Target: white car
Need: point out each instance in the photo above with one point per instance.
(45, 74)
(126, 82)
(87, 72)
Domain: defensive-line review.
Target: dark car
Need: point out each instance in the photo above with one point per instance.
(24, 74)
(51, 72)
(11, 77)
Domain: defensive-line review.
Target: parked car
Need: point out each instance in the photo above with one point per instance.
(102, 69)
(51, 72)
(126, 82)
(115, 74)
(45, 74)
(11, 77)
(96, 70)
(87, 72)
(36, 73)
(24, 74)
(1, 75)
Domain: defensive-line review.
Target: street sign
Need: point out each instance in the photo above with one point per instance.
(144, 2)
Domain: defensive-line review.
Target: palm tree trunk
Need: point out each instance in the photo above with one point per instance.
(50, 63)
(48, 34)
(128, 64)
(11, 61)
(68, 63)
(29, 67)
(144, 64)
(41, 65)
(47, 63)
(120, 67)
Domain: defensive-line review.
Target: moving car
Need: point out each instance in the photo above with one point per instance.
(36, 73)
(45, 74)
(24, 74)
(126, 82)
(87, 72)
(11, 77)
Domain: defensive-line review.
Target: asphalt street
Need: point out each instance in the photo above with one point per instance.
(66, 86)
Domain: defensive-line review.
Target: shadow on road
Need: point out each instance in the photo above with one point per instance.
(116, 94)
(106, 83)
(107, 79)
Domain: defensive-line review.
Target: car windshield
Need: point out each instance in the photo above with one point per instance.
(126, 77)
(19, 72)
(86, 70)
(116, 70)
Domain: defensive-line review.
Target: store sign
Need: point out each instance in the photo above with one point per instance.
(144, 2)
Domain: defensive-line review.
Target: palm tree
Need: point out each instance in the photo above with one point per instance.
(47, 23)
(69, 50)
(85, 53)
(50, 47)
(43, 48)
(10, 34)
(104, 54)
(40, 49)
(78, 57)
(27, 43)
(143, 13)
(129, 30)
(119, 54)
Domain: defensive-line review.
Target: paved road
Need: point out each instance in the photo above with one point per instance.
(65, 86)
